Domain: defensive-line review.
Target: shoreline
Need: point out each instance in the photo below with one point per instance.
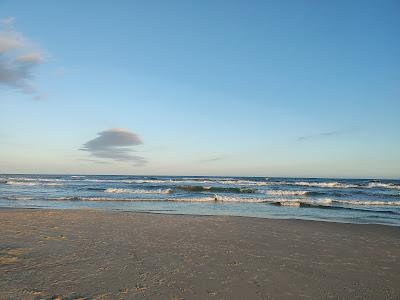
(98, 254)
(160, 212)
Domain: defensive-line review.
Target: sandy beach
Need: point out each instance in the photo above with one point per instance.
(87, 254)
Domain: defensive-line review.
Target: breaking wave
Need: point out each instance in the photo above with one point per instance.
(383, 185)
(78, 198)
(30, 183)
(198, 188)
(218, 198)
(284, 193)
(333, 184)
(368, 203)
(138, 191)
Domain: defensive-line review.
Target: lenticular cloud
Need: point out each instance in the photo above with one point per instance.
(115, 144)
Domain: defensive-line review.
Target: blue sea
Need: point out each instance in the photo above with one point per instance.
(337, 200)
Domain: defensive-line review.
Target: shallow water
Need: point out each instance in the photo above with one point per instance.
(339, 200)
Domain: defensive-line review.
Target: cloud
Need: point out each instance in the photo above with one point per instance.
(319, 135)
(8, 21)
(115, 144)
(212, 159)
(94, 161)
(18, 59)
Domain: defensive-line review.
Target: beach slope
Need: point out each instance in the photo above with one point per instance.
(75, 254)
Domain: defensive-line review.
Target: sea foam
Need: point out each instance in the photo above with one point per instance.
(138, 191)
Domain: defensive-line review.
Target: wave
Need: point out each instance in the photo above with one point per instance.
(336, 184)
(36, 179)
(181, 181)
(383, 185)
(329, 202)
(368, 203)
(78, 198)
(20, 198)
(333, 184)
(192, 199)
(325, 203)
(302, 204)
(94, 189)
(198, 188)
(138, 191)
(134, 181)
(328, 193)
(186, 199)
(218, 198)
(29, 183)
(250, 182)
(284, 192)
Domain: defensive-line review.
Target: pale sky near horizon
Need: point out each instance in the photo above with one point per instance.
(246, 88)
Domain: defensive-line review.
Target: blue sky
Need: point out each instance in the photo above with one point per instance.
(267, 88)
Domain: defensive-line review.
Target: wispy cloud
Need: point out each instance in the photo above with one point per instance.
(115, 144)
(212, 159)
(94, 161)
(7, 21)
(319, 135)
(18, 59)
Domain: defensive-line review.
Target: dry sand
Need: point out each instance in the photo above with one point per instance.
(75, 254)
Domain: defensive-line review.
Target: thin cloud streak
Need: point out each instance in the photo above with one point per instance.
(94, 161)
(319, 135)
(115, 144)
(212, 159)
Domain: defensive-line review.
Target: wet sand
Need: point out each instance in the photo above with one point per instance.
(78, 254)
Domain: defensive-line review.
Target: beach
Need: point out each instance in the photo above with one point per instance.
(94, 254)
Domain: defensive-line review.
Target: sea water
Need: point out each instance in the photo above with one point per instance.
(339, 200)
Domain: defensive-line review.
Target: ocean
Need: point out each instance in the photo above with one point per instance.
(337, 200)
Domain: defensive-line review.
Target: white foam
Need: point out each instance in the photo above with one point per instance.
(21, 198)
(332, 184)
(22, 183)
(372, 203)
(138, 191)
(298, 202)
(72, 198)
(30, 183)
(290, 203)
(218, 198)
(383, 185)
(245, 182)
(35, 179)
(283, 192)
(238, 199)
(192, 199)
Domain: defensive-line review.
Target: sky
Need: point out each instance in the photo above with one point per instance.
(260, 88)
